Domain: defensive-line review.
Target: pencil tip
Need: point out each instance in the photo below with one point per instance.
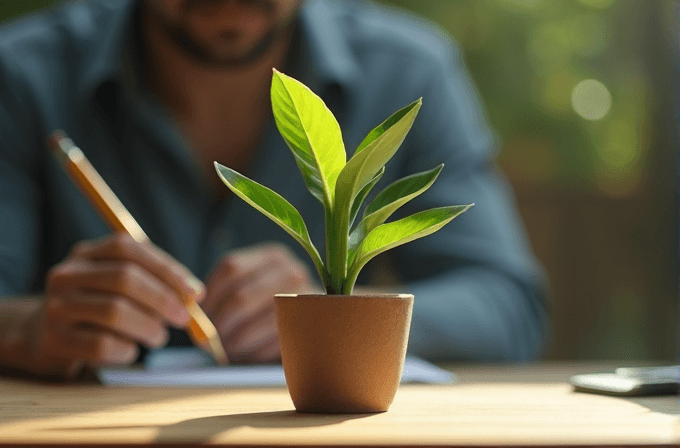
(214, 347)
(54, 139)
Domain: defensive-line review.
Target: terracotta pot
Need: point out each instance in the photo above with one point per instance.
(343, 354)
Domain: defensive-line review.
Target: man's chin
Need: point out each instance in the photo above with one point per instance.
(222, 59)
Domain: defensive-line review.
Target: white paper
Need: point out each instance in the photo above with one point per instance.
(187, 367)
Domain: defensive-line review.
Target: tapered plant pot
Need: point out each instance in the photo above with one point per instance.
(343, 354)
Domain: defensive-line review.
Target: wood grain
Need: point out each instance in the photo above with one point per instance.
(501, 413)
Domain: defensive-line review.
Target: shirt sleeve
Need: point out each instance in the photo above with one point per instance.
(479, 292)
(20, 198)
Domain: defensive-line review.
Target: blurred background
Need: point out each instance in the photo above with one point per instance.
(580, 92)
(581, 95)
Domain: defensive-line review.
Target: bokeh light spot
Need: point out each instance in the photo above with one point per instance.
(591, 99)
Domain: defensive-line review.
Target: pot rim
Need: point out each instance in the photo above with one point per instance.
(402, 296)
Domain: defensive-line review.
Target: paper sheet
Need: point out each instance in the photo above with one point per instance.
(186, 367)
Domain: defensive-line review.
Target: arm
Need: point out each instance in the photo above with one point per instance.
(480, 293)
(20, 206)
(15, 314)
(102, 300)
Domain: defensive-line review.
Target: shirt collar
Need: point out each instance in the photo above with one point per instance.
(327, 56)
(109, 50)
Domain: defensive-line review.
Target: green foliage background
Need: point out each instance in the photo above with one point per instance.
(527, 56)
(10, 9)
(598, 196)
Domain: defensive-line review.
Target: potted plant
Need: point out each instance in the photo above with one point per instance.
(342, 353)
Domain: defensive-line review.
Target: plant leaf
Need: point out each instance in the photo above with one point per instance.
(311, 132)
(393, 234)
(273, 206)
(390, 199)
(356, 205)
(356, 174)
(385, 125)
(365, 164)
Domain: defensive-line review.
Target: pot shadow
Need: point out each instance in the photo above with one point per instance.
(204, 429)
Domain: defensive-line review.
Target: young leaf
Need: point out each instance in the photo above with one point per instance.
(363, 165)
(356, 174)
(393, 234)
(311, 132)
(356, 205)
(390, 199)
(273, 206)
(385, 125)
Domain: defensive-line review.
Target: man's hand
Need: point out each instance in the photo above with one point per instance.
(103, 299)
(240, 299)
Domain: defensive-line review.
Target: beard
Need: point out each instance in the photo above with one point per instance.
(205, 56)
(181, 36)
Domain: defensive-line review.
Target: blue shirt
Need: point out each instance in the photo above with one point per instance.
(479, 292)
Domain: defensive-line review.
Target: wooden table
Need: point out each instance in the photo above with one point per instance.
(491, 405)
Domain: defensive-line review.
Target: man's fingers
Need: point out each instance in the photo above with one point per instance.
(251, 298)
(239, 267)
(107, 296)
(114, 313)
(268, 353)
(245, 303)
(251, 340)
(121, 278)
(253, 336)
(243, 264)
(240, 298)
(240, 262)
(92, 345)
(217, 289)
(100, 347)
(246, 277)
(123, 247)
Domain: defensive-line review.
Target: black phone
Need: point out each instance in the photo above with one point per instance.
(630, 381)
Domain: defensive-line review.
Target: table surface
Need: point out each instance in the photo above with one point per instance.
(490, 406)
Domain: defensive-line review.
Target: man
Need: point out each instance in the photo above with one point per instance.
(154, 91)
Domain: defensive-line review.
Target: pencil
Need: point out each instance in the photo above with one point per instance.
(83, 174)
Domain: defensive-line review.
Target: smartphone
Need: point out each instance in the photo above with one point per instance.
(630, 381)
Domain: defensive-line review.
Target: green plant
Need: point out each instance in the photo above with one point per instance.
(314, 137)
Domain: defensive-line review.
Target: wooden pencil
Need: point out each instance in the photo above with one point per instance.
(83, 174)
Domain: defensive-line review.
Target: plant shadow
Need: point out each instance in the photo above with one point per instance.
(204, 429)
